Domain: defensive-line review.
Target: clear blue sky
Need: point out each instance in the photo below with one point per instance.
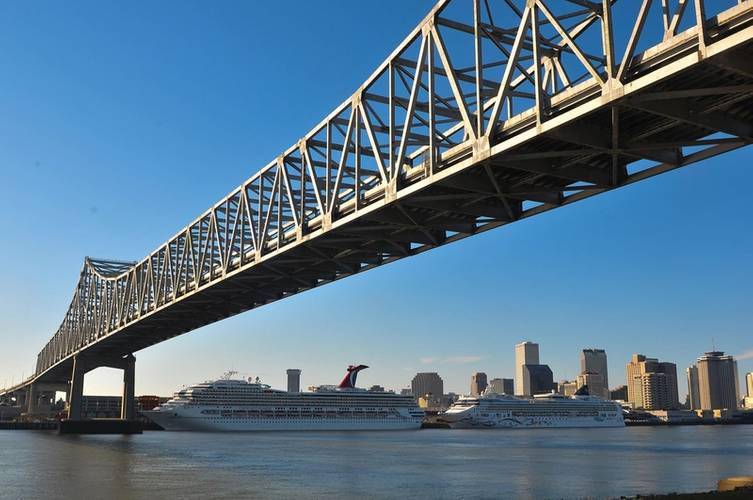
(119, 123)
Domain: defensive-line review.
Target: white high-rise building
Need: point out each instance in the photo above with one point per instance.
(526, 353)
(749, 384)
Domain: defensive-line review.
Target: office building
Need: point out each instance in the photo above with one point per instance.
(652, 385)
(694, 394)
(100, 406)
(508, 386)
(619, 393)
(717, 381)
(656, 392)
(595, 383)
(427, 383)
(538, 379)
(294, 380)
(526, 353)
(594, 361)
(147, 403)
(495, 386)
(567, 387)
(749, 384)
(501, 386)
(478, 383)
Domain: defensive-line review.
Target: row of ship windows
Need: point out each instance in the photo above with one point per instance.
(293, 397)
(222, 420)
(327, 404)
(550, 414)
(291, 413)
(610, 408)
(294, 419)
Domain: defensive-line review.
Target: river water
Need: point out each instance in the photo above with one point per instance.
(431, 463)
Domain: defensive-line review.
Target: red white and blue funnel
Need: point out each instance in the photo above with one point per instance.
(349, 382)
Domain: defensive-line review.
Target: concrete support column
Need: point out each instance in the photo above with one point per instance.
(21, 398)
(127, 410)
(31, 399)
(77, 389)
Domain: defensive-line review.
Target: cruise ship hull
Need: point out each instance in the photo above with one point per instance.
(534, 423)
(171, 422)
(242, 405)
(492, 411)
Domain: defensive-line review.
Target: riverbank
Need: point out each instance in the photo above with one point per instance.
(738, 494)
(29, 426)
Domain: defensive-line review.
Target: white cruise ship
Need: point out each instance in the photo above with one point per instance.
(243, 405)
(550, 410)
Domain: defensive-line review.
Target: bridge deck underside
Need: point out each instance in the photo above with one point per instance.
(679, 102)
(536, 176)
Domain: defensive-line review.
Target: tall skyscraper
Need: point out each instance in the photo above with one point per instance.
(526, 353)
(427, 383)
(652, 384)
(749, 383)
(478, 383)
(694, 395)
(718, 386)
(595, 361)
(294, 380)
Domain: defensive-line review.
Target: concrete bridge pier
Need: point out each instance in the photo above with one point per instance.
(75, 423)
(127, 409)
(21, 397)
(40, 397)
(31, 399)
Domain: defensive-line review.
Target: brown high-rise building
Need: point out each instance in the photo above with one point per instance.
(718, 386)
(595, 383)
(652, 384)
(594, 361)
(478, 383)
(427, 383)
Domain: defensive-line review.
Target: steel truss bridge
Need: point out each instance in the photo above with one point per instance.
(489, 112)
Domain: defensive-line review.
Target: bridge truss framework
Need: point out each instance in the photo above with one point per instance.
(489, 112)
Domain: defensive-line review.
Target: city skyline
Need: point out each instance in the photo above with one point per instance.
(634, 247)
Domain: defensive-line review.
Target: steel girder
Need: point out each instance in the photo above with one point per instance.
(490, 111)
